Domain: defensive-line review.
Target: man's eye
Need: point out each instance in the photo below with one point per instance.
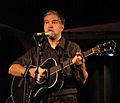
(55, 22)
(46, 22)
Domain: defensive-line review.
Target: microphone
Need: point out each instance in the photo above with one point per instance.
(51, 34)
(39, 37)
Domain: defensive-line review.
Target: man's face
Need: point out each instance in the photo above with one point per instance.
(53, 24)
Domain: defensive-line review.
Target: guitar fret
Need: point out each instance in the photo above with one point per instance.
(65, 64)
(88, 52)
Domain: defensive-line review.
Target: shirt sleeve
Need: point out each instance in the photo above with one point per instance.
(25, 59)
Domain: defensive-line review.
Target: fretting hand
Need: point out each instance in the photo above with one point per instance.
(78, 59)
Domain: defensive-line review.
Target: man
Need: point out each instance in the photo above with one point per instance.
(53, 47)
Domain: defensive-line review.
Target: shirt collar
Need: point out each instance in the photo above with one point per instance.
(61, 43)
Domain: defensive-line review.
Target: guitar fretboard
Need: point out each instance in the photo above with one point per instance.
(63, 65)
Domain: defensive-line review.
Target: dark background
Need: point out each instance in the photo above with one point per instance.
(19, 19)
(27, 15)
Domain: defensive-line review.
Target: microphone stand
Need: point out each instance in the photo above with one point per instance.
(23, 79)
(39, 54)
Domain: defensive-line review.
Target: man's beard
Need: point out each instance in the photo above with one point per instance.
(52, 37)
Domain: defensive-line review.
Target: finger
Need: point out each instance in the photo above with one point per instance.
(79, 58)
(78, 53)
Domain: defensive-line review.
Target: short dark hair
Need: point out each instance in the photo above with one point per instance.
(57, 14)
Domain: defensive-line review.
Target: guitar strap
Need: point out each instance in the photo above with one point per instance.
(64, 56)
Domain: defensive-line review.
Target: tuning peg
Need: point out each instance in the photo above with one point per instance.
(99, 54)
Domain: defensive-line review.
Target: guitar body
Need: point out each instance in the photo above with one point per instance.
(40, 91)
(17, 92)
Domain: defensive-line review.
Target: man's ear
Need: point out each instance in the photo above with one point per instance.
(62, 27)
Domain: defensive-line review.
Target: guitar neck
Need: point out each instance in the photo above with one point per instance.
(63, 65)
(88, 52)
(68, 62)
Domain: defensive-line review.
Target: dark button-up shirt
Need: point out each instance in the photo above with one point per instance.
(64, 50)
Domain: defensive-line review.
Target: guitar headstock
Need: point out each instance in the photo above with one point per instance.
(107, 46)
